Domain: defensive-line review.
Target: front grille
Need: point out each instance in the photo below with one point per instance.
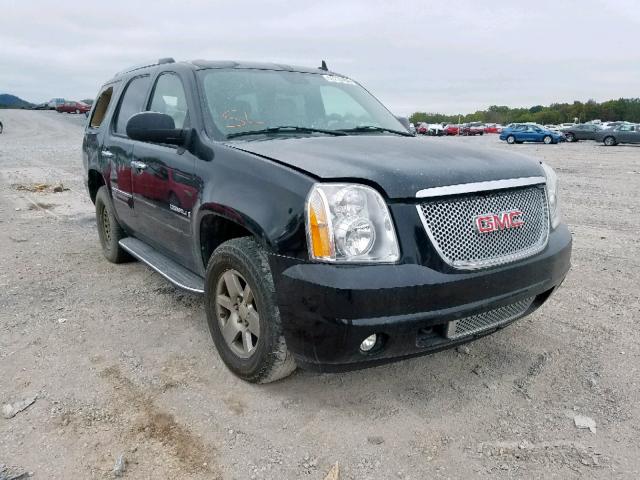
(484, 321)
(450, 225)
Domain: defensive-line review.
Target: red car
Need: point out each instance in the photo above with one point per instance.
(493, 128)
(73, 107)
(472, 129)
(451, 129)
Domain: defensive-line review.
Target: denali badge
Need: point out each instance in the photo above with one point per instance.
(490, 222)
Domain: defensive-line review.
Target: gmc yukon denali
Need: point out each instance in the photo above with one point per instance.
(321, 233)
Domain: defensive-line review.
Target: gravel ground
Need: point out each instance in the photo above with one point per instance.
(122, 363)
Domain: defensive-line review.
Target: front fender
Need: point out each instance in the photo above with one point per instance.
(258, 194)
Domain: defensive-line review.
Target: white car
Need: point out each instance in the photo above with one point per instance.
(435, 129)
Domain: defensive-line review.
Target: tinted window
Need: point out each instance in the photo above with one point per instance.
(132, 102)
(169, 97)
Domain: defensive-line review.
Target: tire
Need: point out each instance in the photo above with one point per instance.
(265, 358)
(1, 128)
(77, 112)
(547, 139)
(571, 137)
(109, 230)
(511, 139)
(609, 141)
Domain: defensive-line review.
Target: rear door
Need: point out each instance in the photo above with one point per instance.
(117, 148)
(626, 133)
(164, 187)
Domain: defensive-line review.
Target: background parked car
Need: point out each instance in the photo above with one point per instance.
(582, 131)
(422, 128)
(435, 129)
(530, 133)
(493, 128)
(451, 129)
(625, 133)
(73, 107)
(55, 102)
(472, 129)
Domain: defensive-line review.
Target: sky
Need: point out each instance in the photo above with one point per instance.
(435, 56)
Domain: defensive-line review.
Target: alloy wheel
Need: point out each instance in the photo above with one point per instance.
(237, 313)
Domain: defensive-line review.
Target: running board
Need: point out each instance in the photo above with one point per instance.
(172, 271)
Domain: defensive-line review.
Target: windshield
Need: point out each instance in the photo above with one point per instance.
(244, 100)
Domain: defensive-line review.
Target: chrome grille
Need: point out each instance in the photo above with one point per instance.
(449, 223)
(486, 320)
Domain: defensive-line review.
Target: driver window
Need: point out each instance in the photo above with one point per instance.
(169, 97)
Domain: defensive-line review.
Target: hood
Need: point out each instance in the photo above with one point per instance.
(399, 165)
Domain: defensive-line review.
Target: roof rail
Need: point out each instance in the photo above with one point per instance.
(161, 61)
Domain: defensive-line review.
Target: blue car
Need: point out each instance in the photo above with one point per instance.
(530, 133)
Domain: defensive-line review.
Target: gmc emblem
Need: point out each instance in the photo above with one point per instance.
(490, 222)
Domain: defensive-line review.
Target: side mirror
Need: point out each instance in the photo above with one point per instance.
(405, 122)
(154, 127)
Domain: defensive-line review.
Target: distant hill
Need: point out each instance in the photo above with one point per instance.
(11, 101)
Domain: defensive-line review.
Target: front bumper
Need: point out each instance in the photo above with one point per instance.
(327, 310)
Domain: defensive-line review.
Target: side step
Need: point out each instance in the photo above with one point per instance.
(172, 271)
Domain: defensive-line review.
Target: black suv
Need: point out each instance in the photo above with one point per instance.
(321, 232)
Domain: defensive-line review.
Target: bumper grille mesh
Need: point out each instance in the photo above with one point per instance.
(450, 225)
(486, 320)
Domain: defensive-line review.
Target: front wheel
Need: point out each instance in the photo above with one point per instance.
(1, 127)
(242, 312)
(571, 137)
(547, 139)
(511, 139)
(610, 141)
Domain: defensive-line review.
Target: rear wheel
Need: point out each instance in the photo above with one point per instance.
(511, 139)
(109, 230)
(77, 111)
(547, 139)
(242, 312)
(610, 141)
(1, 127)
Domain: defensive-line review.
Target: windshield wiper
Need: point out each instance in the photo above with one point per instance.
(286, 129)
(374, 128)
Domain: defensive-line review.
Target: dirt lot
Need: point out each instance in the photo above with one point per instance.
(122, 363)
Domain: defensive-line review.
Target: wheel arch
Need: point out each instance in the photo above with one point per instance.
(95, 180)
(218, 223)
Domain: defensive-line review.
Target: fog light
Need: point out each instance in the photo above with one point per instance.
(369, 342)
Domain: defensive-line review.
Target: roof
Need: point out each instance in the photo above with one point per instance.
(206, 64)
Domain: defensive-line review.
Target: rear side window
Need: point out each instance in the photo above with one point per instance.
(132, 102)
(102, 104)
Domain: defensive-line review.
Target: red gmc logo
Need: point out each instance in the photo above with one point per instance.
(490, 222)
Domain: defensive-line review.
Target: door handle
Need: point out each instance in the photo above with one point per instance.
(138, 165)
(106, 153)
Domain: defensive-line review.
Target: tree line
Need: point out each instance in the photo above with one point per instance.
(622, 109)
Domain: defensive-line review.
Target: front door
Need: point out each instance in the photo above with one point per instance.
(117, 149)
(164, 189)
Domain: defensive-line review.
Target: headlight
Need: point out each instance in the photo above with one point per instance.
(349, 223)
(552, 194)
